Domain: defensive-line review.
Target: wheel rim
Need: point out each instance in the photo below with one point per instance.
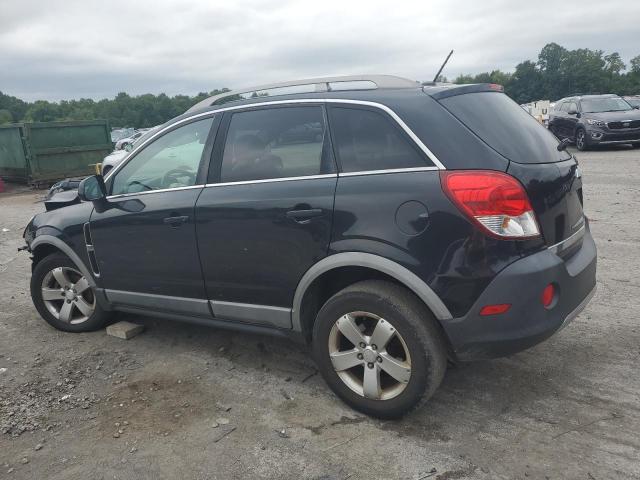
(68, 296)
(369, 355)
(580, 139)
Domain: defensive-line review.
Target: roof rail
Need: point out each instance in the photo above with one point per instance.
(322, 84)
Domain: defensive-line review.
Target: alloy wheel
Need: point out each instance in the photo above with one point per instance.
(369, 355)
(580, 140)
(68, 296)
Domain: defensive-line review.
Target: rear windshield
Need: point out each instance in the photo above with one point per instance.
(505, 127)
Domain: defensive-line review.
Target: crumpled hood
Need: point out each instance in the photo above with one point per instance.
(62, 199)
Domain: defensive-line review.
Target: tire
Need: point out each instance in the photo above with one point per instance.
(581, 140)
(83, 314)
(414, 331)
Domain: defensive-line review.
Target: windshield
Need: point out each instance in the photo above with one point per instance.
(609, 104)
(634, 102)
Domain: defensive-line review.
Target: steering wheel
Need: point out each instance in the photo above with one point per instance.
(172, 176)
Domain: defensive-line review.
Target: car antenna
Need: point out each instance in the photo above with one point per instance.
(433, 82)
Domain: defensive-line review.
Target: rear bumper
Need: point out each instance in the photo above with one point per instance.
(527, 322)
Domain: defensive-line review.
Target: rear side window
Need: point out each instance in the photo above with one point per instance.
(505, 127)
(368, 140)
(276, 143)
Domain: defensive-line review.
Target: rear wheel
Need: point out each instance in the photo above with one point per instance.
(581, 140)
(379, 348)
(63, 296)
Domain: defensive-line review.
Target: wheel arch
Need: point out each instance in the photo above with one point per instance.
(44, 245)
(354, 265)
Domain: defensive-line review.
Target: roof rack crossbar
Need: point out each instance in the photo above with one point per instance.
(322, 84)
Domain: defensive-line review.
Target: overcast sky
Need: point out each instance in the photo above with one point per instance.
(64, 49)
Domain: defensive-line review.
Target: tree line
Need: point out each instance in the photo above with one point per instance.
(559, 72)
(556, 73)
(122, 111)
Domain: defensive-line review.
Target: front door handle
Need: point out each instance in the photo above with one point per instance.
(176, 221)
(304, 216)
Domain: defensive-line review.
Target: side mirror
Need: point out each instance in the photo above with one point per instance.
(637, 107)
(564, 143)
(92, 189)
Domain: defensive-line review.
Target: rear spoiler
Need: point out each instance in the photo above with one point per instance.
(439, 91)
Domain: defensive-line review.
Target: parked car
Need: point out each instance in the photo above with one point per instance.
(590, 120)
(415, 232)
(120, 133)
(634, 101)
(123, 142)
(115, 157)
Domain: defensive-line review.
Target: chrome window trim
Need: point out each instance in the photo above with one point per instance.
(389, 111)
(270, 180)
(146, 192)
(390, 170)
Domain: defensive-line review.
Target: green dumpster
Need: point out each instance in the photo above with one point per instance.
(41, 153)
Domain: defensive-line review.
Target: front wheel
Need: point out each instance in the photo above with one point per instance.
(379, 348)
(581, 140)
(64, 297)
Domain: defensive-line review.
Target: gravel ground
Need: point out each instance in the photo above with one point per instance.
(183, 401)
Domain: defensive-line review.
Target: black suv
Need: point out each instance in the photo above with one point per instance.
(421, 224)
(595, 120)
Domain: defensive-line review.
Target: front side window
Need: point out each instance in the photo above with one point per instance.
(368, 140)
(170, 161)
(276, 143)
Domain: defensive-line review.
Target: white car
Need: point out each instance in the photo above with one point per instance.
(123, 142)
(119, 154)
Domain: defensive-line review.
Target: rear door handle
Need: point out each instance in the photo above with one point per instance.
(304, 216)
(176, 221)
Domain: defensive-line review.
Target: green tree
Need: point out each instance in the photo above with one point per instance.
(525, 84)
(5, 116)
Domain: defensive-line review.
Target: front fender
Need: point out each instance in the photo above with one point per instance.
(45, 239)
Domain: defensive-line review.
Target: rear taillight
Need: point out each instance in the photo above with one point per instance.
(495, 200)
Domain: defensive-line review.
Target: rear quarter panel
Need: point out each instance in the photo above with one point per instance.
(450, 254)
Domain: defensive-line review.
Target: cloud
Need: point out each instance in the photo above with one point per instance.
(61, 49)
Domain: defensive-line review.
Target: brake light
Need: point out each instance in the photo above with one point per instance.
(494, 200)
